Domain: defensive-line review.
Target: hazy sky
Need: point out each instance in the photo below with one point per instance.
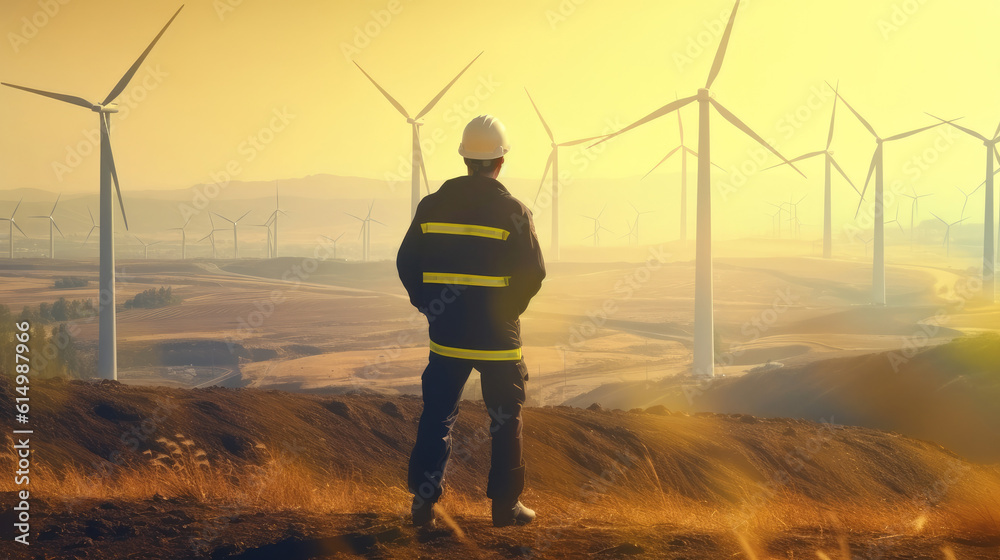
(227, 67)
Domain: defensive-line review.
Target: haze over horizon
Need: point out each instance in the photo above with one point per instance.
(228, 70)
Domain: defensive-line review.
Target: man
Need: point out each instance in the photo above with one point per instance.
(470, 263)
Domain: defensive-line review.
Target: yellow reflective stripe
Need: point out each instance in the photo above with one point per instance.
(466, 279)
(465, 229)
(462, 353)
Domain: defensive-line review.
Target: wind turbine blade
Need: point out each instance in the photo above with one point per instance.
(18, 205)
(844, 175)
(111, 164)
(224, 218)
(88, 235)
(580, 141)
(939, 219)
(666, 109)
(123, 83)
(953, 223)
(912, 132)
(91, 216)
(71, 99)
(243, 216)
(721, 53)
(540, 117)
(446, 88)
(207, 236)
(55, 225)
(871, 169)
(377, 222)
(793, 160)
(665, 158)
(972, 133)
(833, 117)
(548, 165)
(997, 154)
(856, 114)
(746, 129)
(395, 103)
(353, 216)
(187, 222)
(13, 223)
(53, 211)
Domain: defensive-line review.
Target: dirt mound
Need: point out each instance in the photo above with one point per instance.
(946, 394)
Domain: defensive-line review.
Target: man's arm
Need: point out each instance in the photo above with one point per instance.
(408, 261)
(529, 266)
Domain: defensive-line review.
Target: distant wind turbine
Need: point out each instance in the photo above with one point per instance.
(684, 151)
(704, 329)
(366, 231)
(183, 237)
(598, 228)
(417, 163)
(334, 241)
(966, 195)
(876, 167)
(989, 248)
(553, 164)
(947, 232)
(896, 220)
(914, 208)
(145, 246)
(272, 221)
(13, 224)
(107, 353)
(52, 224)
(211, 235)
(830, 164)
(236, 243)
(94, 226)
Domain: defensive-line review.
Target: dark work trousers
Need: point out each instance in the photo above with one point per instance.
(503, 384)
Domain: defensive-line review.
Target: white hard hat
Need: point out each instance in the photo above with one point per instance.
(485, 138)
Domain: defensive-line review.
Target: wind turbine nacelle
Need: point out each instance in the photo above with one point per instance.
(109, 108)
(705, 94)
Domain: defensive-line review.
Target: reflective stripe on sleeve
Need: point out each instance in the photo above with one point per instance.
(466, 279)
(465, 354)
(465, 229)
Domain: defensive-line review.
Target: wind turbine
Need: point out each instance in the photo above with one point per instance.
(965, 203)
(876, 167)
(704, 330)
(334, 241)
(52, 224)
(211, 235)
(684, 151)
(775, 221)
(366, 231)
(553, 163)
(989, 249)
(597, 227)
(896, 220)
(630, 226)
(236, 244)
(145, 246)
(417, 163)
(830, 164)
(13, 224)
(947, 232)
(107, 354)
(794, 225)
(635, 223)
(268, 249)
(914, 208)
(183, 237)
(94, 226)
(868, 243)
(272, 221)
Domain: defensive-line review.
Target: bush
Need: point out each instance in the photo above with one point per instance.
(70, 282)
(153, 298)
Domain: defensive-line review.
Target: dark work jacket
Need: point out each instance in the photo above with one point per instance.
(460, 315)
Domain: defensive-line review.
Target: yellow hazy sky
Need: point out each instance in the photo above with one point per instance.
(226, 66)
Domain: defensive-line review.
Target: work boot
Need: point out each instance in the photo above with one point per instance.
(505, 514)
(422, 512)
